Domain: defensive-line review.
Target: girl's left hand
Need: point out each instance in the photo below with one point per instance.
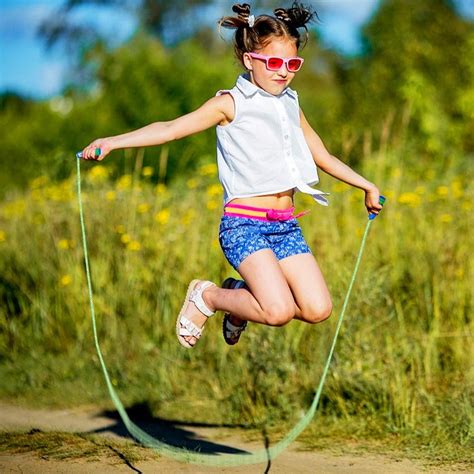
(372, 197)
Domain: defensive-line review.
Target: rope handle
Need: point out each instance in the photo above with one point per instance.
(97, 153)
(372, 216)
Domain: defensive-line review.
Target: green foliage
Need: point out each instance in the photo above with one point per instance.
(418, 67)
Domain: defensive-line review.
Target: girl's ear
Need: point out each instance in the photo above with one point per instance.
(247, 61)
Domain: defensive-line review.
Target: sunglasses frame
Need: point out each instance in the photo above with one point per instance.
(285, 61)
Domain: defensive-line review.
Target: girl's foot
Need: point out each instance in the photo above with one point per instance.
(194, 313)
(232, 327)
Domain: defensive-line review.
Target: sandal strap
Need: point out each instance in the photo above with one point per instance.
(188, 328)
(233, 331)
(196, 298)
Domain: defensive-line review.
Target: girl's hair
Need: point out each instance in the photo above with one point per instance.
(254, 33)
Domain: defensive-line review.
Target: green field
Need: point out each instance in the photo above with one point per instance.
(403, 364)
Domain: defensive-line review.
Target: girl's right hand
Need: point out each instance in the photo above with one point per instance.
(105, 146)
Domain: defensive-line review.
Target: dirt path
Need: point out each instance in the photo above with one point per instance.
(207, 439)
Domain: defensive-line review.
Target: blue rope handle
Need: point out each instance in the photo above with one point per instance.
(183, 454)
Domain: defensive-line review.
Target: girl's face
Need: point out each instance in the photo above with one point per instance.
(273, 82)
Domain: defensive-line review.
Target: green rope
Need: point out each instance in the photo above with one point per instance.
(183, 454)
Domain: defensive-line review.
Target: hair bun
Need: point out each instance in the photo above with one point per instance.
(297, 16)
(242, 10)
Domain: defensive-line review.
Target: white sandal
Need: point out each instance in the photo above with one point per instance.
(184, 326)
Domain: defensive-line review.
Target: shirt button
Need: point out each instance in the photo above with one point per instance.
(286, 137)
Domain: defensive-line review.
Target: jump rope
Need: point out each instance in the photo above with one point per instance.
(195, 457)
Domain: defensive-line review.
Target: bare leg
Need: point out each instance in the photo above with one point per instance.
(312, 299)
(278, 291)
(310, 293)
(269, 300)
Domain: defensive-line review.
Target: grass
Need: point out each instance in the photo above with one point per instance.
(403, 362)
(60, 446)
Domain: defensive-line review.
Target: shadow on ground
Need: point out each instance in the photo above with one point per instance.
(171, 432)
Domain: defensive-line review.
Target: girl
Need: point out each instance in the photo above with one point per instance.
(266, 151)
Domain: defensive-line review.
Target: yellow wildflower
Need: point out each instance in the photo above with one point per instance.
(124, 182)
(3, 236)
(410, 199)
(15, 208)
(64, 244)
(54, 193)
(125, 239)
(98, 173)
(160, 189)
(147, 171)
(120, 229)
(457, 189)
(446, 218)
(134, 246)
(163, 216)
(442, 191)
(467, 206)
(208, 170)
(214, 190)
(143, 208)
(211, 205)
(110, 195)
(65, 280)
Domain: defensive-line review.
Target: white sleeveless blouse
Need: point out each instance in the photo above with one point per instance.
(263, 150)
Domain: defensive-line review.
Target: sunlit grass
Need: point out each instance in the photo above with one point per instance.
(403, 361)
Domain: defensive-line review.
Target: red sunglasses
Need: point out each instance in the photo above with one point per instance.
(274, 63)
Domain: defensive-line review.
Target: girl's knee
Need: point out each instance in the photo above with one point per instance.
(279, 314)
(317, 313)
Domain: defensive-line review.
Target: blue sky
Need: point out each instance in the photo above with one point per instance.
(27, 67)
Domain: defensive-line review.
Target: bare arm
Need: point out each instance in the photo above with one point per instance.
(211, 113)
(336, 168)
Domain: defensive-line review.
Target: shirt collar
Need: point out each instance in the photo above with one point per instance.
(249, 89)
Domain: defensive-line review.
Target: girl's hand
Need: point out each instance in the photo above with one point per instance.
(105, 146)
(372, 197)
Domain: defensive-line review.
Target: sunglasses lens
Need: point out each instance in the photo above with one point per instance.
(274, 64)
(294, 64)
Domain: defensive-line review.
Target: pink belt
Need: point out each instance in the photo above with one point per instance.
(261, 214)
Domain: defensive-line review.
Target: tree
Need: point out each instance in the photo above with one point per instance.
(415, 59)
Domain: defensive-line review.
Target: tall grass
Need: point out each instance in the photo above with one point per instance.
(404, 359)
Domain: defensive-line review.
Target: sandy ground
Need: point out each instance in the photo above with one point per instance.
(208, 439)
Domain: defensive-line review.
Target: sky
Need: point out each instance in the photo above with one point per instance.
(27, 67)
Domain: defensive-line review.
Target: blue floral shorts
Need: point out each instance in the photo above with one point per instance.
(241, 236)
